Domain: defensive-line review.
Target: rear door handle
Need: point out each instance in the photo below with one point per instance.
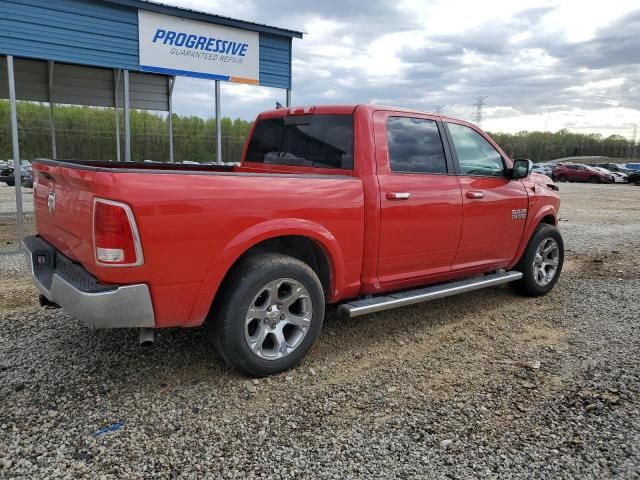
(398, 195)
(474, 194)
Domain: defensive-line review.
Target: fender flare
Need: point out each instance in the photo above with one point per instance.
(531, 225)
(251, 237)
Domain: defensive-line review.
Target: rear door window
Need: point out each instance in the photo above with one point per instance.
(321, 141)
(415, 146)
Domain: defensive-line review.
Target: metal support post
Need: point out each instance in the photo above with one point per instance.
(116, 99)
(172, 82)
(16, 148)
(218, 125)
(127, 120)
(52, 122)
(288, 98)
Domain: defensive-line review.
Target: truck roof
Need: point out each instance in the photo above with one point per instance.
(344, 109)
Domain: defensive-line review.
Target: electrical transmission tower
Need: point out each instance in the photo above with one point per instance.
(477, 115)
(439, 109)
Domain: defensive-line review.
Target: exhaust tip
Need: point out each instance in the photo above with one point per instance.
(46, 303)
(147, 337)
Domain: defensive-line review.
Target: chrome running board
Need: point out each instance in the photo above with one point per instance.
(355, 308)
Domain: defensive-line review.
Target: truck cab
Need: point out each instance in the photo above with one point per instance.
(443, 194)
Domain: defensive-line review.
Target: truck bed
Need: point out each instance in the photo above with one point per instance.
(193, 220)
(107, 164)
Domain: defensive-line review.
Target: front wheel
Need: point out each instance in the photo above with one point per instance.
(268, 315)
(541, 262)
(594, 180)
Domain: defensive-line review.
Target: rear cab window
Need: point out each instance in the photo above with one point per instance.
(319, 141)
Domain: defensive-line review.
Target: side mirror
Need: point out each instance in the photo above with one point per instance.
(521, 168)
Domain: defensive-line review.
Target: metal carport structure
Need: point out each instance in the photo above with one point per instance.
(89, 52)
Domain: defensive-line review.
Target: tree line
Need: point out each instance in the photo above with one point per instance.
(543, 146)
(88, 133)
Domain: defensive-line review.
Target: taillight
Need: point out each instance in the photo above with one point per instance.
(115, 235)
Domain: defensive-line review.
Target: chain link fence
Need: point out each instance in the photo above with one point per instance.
(89, 133)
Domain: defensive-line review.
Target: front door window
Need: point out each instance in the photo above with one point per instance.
(476, 156)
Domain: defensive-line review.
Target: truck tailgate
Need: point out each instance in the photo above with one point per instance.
(63, 203)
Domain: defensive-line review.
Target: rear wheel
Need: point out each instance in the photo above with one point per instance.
(562, 178)
(268, 315)
(541, 262)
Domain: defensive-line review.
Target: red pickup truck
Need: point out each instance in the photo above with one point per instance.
(363, 206)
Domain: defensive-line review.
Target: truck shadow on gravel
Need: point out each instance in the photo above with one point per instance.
(470, 325)
(443, 342)
(493, 323)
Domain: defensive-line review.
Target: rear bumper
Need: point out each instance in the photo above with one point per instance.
(78, 292)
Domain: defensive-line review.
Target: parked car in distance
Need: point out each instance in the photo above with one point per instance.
(614, 167)
(542, 169)
(634, 178)
(363, 206)
(617, 176)
(26, 177)
(633, 166)
(570, 172)
(24, 163)
(7, 174)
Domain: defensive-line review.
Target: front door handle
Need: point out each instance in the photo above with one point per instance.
(474, 194)
(398, 195)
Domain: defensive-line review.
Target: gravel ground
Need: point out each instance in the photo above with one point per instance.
(485, 385)
(8, 199)
(8, 235)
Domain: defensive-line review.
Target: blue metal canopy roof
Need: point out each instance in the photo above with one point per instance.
(205, 17)
(104, 33)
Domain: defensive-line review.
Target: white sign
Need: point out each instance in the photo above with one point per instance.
(178, 46)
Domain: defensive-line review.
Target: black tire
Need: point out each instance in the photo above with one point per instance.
(11, 184)
(528, 285)
(562, 178)
(595, 179)
(226, 328)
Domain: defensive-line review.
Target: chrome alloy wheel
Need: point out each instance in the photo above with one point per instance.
(278, 319)
(545, 262)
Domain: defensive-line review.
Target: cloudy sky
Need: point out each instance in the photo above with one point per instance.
(564, 64)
